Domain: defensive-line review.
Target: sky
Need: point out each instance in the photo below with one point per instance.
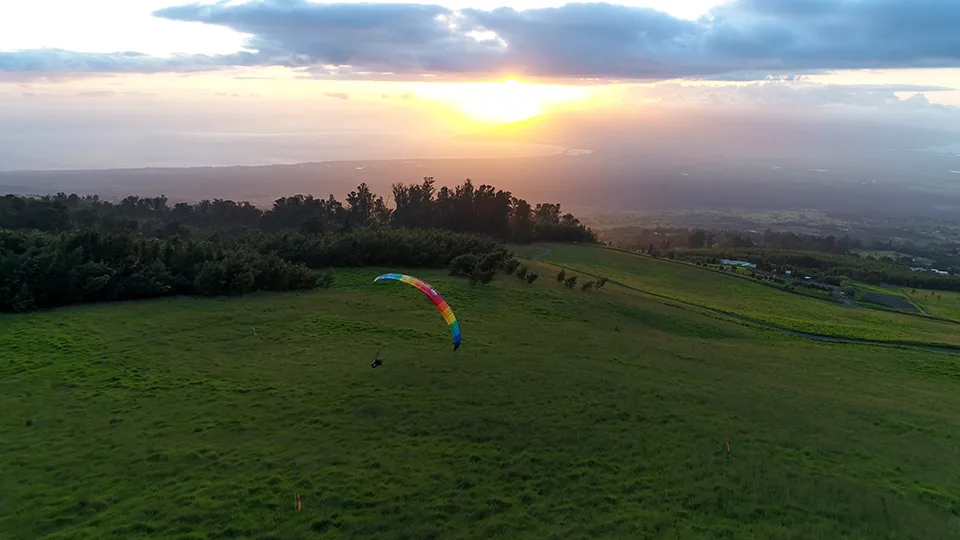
(76, 71)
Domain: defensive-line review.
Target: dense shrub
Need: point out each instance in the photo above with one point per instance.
(571, 282)
(463, 265)
(482, 277)
(41, 270)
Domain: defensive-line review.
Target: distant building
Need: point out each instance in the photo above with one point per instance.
(934, 270)
(743, 264)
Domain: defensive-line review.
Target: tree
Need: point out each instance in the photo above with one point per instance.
(571, 282)
(521, 220)
(602, 282)
(531, 277)
(562, 275)
(697, 239)
(364, 208)
(587, 286)
(522, 272)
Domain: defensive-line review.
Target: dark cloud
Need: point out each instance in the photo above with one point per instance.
(58, 60)
(740, 40)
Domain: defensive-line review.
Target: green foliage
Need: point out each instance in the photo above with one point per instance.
(463, 265)
(521, 272)
(532, 276)
(466, 208)
(172, 419)
(482, 277)
(601, 282)
(571, 282)
(43, 270)
(561, 276)
(381, 247)
(494, 260)
(587, 286)
(511, 266)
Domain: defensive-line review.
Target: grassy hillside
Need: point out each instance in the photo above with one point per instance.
(564, 415)
(749, 299)
(937, 303)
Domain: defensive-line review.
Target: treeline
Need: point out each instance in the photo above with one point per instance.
(661, 240)
(466, 208)
(48, 269)
(829, 268)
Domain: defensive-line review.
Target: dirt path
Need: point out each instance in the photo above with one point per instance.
(546, 251)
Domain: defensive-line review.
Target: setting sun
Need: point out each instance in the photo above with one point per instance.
(503, 102)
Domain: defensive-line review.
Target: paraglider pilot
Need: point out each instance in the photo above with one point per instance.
(377, 361)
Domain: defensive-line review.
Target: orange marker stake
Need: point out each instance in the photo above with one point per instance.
(298, 502)
(728, 444)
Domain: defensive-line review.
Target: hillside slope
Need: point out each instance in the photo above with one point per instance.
(746, 298)
(564, 415)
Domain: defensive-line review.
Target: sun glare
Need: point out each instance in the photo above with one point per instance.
(503, 102)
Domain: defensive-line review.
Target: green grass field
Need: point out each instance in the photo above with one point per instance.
(938, 303)
(748, 299)
(564, 415)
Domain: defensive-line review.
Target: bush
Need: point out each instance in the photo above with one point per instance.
(561, 276)
(325, 280)
(602, 282)
(571, 282)
(521, 272)
(532, 276)
(43, 270)
(463, 265)
(493, 260)
(482, 277)
(510, 266)
(587, 286)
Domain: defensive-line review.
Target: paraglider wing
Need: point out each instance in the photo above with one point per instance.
(434, 297)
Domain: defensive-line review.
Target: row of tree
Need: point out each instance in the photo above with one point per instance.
(660, 240)
(465, 208)
(44, 269)
(833, 269)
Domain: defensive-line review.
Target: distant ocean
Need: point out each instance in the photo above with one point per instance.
(950, 149)
(105, 150)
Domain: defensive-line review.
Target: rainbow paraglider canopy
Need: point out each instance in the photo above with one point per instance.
(434, 297)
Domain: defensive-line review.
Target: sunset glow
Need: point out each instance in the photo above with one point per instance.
(503, 102)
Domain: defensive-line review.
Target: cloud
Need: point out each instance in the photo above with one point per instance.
(337, 95)
(739, 40)
(799, 98)
(58, 60)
